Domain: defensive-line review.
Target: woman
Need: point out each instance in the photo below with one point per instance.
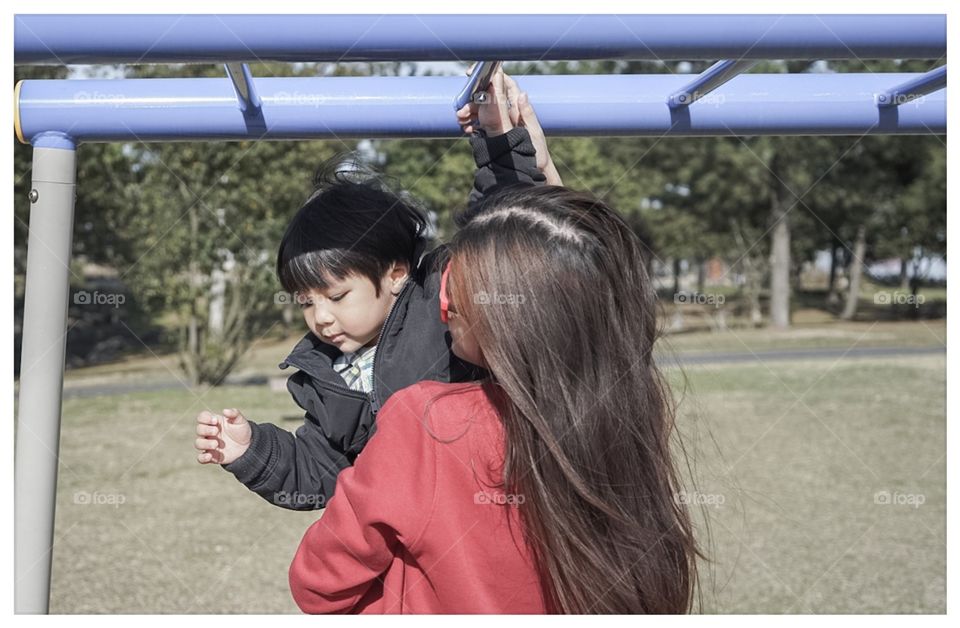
(550, 485)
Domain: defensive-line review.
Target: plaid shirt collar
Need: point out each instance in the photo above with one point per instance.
(356, 368)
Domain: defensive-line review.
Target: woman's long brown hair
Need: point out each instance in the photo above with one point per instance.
(553, 284)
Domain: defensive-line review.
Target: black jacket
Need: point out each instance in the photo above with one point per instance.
(300, 471)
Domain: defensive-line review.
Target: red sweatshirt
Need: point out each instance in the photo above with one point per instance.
(418, 524)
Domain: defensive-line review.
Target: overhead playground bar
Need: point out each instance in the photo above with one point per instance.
(62, 39)
(155, 110)
(55, 116)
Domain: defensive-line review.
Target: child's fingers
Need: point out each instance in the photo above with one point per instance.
(207, 430)
(204, 444)
(209, 457)
(207, 418)
(232, 415)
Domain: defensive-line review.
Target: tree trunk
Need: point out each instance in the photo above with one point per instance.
(756, 314)
(833, 296)
(780, 275)
(856, 273)
(216, 313)
(190, 354)
(914, 282)
(288, 316)
(752, 276)
(701, 275)
(779, 250)
(676, 276)
(904, 274)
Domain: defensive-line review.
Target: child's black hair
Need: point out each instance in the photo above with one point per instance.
(352, 223)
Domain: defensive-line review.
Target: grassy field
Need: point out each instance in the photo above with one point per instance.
(828, 484)
(823, 483)
(810, 329)
(811, 335)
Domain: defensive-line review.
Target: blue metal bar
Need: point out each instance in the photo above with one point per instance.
(341, 107)
(239, 74)
(60, 39)
(922, 85)
(712, 78)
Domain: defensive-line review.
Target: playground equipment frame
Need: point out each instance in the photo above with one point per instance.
(55, 116)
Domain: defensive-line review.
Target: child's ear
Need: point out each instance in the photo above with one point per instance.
(398, 275)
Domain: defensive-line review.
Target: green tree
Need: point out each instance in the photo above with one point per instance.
(204, 220)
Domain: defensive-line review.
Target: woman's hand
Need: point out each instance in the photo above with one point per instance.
(528, 119)
(498, 114)
(506, 108)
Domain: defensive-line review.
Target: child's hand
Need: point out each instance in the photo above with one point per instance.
(222, 439)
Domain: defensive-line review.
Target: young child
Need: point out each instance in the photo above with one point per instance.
(549, 486)
(353, 255)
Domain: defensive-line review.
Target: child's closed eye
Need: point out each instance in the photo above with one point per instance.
(305, 303)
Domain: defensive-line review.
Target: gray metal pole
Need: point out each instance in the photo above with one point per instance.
(41, 368)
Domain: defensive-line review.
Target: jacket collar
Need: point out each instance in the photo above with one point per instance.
(312, 356)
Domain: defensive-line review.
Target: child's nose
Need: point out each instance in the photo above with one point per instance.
(321, 315)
